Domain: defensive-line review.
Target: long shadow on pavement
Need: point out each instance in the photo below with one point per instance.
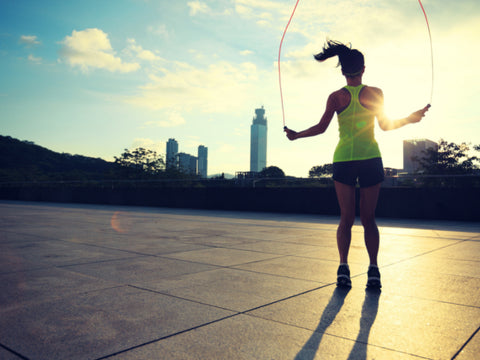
(369, 314)
(332, 309)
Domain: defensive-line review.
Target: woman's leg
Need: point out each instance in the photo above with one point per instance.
(368, 204)
(346, 201)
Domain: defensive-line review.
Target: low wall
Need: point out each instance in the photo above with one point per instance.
(414, 203)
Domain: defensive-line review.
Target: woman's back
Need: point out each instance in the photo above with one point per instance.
(356, 125)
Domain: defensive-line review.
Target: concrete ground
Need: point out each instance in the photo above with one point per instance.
(96, 282)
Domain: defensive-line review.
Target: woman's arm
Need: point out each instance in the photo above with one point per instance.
(321, 126)
(387, 124)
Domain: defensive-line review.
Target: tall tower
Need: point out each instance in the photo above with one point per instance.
(172, 151)
(187, 163)
(415, 149)
(258, 141)
(202, 161)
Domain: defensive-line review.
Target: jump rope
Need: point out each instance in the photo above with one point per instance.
(285, 31)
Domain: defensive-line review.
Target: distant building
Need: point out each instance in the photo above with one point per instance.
(415, 149)
(258, 141)
(187, 163)
(202, 161)
(172, 151)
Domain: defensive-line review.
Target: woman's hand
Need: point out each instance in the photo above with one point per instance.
(417, 115)
(291, 135)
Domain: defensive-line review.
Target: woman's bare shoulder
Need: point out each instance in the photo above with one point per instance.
(371, 97)
(341, 98)
(374, 90)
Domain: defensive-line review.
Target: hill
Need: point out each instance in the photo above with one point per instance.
(26, 161)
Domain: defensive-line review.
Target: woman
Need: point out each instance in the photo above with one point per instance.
(357, 155)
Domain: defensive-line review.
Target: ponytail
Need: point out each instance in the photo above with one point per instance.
(330, 49)
(352, 61)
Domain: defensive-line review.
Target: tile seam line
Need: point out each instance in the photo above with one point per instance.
(466, 343)
(424, 253)
(244, 312)
(166, 337)
(337, 336)
(201, 325)
(13, 352)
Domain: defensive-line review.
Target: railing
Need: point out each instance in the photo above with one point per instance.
(415, 181)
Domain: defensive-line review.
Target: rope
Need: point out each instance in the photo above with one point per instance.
(431, 48)
(285, 31)
(279, 53)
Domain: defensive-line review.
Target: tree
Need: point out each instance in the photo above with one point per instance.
(140, 162)
(321, 171)
(272, 172)
(449, 159)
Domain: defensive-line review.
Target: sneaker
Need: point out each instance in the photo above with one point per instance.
(374, 278)
(343, 276)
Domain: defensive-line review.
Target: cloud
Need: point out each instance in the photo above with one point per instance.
(154, 145)
(91, 48)
(171, 119)
(221, 87)
(246, 52)
(263, 10)
(140, 52)
(34, 59)
(197, 7)
(29, 40)
(159, 30)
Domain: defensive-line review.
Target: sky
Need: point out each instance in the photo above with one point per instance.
(97, 77)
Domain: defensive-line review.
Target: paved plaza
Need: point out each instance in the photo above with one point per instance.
(110, 282)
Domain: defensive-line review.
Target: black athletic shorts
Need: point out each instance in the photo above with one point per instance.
(369, 172)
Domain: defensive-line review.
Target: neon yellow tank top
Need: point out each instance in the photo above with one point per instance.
(356, 127)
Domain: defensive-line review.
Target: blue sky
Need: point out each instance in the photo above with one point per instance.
(96, 77)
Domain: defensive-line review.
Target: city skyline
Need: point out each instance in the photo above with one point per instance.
(93, 78)
(186, 162)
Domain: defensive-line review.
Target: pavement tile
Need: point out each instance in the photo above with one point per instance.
(7, 236)
(26, 287)
(140, 270)
(404, 279)
(357, 254)
(295, 267)
(319, 237)
(276, 247)
(8, 355)
(216, 240)
(60, 253)
(144, 245)
(221, 256)
(472, 348)
(439, 264)
(96, 324)
(245, 338)
(11, 262)
(405, 231)
(466, 250)
(434, 330)
(460, 235)
(232, 289)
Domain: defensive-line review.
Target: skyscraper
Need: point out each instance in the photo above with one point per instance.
(258, 141)
(172, 151)
(415, 149)
(187, 163)
(202, 161)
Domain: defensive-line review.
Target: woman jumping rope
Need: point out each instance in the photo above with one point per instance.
(357, 155)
